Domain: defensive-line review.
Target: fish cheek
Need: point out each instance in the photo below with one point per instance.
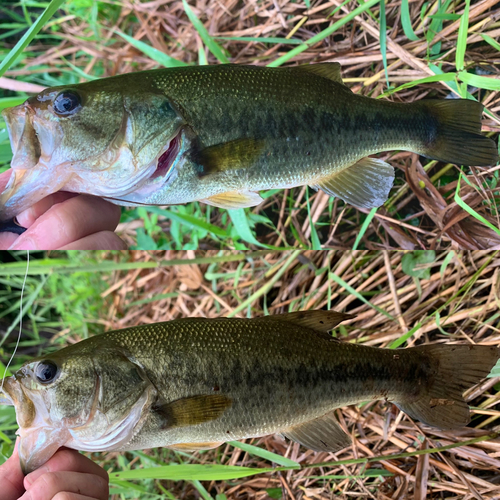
(153, 122)
(89, 133)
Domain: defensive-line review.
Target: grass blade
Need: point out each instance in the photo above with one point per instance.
(364, 227)
(354, 292)
(290, 41)
(190, 472)
(29, 35)
(462, 38)
(323, 34)
(268, 455)
(383, 39)
(484, 82)
(240, 221)
(151, 52)
(212, 45)
(470, 210)
(406, 21)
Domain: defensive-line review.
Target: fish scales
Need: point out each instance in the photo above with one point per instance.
(274, 378)
(220, 134)
(196, 383)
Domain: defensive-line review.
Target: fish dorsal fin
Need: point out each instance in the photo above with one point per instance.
(366, 184)
(329, 70)
(320, 434)
(232, 155)
(321, 321)
(192, 410)
(234, 199)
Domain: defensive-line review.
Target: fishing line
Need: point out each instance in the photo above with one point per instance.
(20, 319)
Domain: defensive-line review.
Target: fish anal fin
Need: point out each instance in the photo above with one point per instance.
(192, 410)
(366, 184)
(195, 446)
(320, 434)
(320, 321)
(234, 199)
(329, 70)
(231, 155)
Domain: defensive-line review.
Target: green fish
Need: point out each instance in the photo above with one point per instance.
(195, 383)
(220, 134)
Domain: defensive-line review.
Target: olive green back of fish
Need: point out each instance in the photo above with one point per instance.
(224, 379)
(258, 128)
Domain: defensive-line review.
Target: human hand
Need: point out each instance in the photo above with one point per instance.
(65, 221)
(68, 475)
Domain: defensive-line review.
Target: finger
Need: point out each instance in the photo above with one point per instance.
(104, 240)
(28, 217)
(7, 240)
(63, 495)
(11, 477)
(66, 460)
(69, 221)
(48, 485)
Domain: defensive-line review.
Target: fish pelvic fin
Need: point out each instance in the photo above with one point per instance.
(321, 321)
(366, 184)
(320, 434)
(192, 410)
(455, 136)
(195, 446)
(234, 199)
(231, 155)
(458, 367)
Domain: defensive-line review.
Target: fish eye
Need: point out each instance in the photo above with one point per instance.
(67, 103)
(46, 371)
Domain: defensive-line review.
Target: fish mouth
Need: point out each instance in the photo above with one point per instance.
(31, 179)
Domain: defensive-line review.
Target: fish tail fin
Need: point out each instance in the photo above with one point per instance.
(457, 368)
(456, 134)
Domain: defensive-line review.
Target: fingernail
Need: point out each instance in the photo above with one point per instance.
(33, 476)
(24, 244)
(26, 496)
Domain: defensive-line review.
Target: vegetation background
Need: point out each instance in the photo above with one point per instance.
(400, 50)
(399, 299)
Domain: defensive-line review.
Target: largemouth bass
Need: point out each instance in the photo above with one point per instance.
(220, 134)
(194, 383)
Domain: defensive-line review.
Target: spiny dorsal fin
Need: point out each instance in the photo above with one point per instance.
(321, 321)
(192, 410)
(232, 155)
(329, 70)
(234, 199)
(366, 184)
(320, 434)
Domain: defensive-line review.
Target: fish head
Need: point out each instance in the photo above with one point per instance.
(87, 401)
(102, 138)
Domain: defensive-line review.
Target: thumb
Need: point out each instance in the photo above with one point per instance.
(11, 477)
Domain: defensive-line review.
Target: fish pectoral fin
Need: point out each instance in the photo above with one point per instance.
(320, 434)
(231, 155)
(366, 184)
(234, 199)
(329, 70)
(192, 410)
(321, 321)
(195, 446)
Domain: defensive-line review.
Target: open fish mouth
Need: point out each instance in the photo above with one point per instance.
(31, 179)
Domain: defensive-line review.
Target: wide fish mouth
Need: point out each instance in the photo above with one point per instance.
(30, 179)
